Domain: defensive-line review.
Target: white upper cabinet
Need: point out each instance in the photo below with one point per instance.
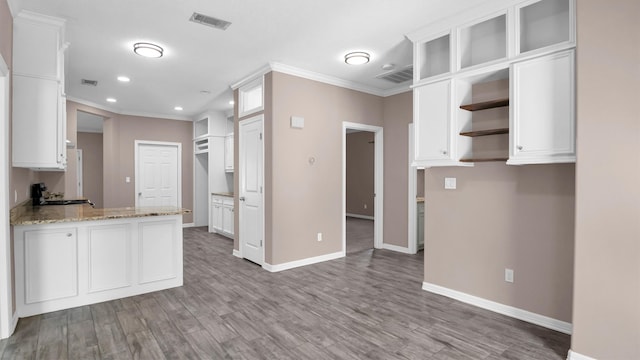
(251, 97)
(228, 153)
(528, 45)
(543, 113)
(39, 102)
(483, 42)
(545, 23)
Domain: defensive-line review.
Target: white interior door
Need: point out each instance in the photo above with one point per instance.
(251, 160)
(158, 174)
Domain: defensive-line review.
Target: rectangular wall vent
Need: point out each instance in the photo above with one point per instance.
(209, 21)
(398, 76)
(89, 82)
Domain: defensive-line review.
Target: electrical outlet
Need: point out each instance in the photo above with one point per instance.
(365, 206)
(508, 275)
(319, 236)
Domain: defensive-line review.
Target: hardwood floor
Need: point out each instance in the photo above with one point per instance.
(359, 235)
(368, 305)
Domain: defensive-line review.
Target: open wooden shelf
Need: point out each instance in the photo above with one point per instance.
(486, 105)
(485, 132)
(483, 160)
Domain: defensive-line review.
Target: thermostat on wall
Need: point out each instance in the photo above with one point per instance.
(297, 122)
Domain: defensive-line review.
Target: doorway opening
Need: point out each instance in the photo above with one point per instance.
(362, 187)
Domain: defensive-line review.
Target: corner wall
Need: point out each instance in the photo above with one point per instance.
(606, 309)
(307, 198)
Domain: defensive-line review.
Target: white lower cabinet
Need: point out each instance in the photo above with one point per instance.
(222, 215)
(50, 266)
(542, 128)
(64, 265)
(110, 255)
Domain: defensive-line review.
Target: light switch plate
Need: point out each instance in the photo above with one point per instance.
(297, 122)
(450, 183)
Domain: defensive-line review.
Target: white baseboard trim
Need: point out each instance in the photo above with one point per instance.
(575, 356)
(303, 262)
(397, 248)
(524, 315)
(237, 253)
(358, 216)
(188, 225)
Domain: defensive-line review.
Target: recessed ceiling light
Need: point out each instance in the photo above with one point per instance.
(148, 50)
(178, 108)
(231, 102)
(356, 58)
(388, 66)
(111, 100)
(123, 79)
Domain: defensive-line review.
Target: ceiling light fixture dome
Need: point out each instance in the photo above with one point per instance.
(356, 58)
(148, 50)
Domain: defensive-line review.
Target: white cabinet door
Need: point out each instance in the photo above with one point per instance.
(216, 215)
(109, 257)
(50, 264)
(158, 251)
(37, 123)
(432, 121)
(542, 128)
(227, 220)
(228, 153)
(36, 42)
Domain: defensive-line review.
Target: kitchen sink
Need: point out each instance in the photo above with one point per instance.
(67, 202)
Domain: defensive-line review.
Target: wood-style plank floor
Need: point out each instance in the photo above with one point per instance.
(368, 305)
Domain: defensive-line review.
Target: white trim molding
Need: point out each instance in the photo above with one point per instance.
(237, 253)
(127, 113)
(303, 262)
(397, 248)
(188, 225)
(575, 356)
(358, 216)
(524, 315)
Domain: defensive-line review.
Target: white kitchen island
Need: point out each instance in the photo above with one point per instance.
(68, 256)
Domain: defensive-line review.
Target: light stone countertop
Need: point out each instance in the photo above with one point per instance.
(227, 194)
(27, 214)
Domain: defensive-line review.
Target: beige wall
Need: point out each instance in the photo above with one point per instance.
(360, 173)
(92, 167)
(517, 217)
(397, 114)
(606, 310)
(307, 198)
(119, 136)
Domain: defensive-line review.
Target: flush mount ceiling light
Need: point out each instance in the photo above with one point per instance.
(231, 102)
(123, 79)
(356, 58)
(148, 50)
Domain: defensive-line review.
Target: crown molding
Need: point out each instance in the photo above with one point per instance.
(127, 113)
(14, 7)
(327, 79)
(397, 90)
(254, 75)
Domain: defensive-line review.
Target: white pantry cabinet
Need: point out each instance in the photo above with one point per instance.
(39, 100)
(542, 119)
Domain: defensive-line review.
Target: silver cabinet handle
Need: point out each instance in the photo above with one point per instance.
(69, 234)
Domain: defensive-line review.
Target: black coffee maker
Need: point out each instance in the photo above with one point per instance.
(37, 191)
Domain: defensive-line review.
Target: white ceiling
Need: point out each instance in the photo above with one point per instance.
(307, 34)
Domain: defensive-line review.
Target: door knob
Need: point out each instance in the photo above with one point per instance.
(241, 198)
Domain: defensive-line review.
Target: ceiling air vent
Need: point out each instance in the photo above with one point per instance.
(89, 82)
(398, 76)
(209, 21)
